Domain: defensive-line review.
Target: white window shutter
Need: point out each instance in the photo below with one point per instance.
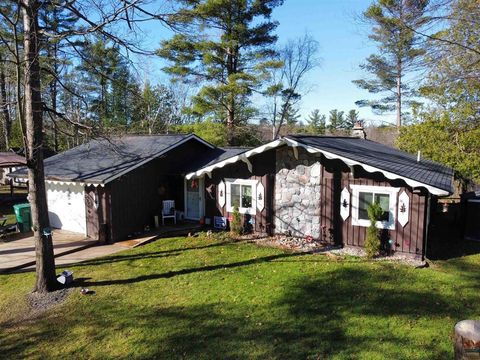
(403, 208)
(221, 195)
(345, 204)
(260, 196)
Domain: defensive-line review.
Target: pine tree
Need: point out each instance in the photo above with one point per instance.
(336, 120)
(399, 53)
(228, 45)
(316, 123)
(351, 119)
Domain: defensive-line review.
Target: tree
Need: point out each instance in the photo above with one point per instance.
(336, 120)
(298, 57)
(454, 62)
(372, 242)
(45, 264)
(442, 138)
(394, 24)
(30, 105)
(227, 45)
(351, 119)
(448, 129)
(316, 123)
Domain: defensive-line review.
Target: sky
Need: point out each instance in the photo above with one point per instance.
(344, 45)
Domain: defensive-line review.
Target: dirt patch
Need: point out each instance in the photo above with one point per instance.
(39, 302)
(294, 244)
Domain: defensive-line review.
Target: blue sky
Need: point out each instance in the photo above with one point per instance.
(343, 46)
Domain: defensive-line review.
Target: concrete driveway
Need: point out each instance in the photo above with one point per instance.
(68, 247)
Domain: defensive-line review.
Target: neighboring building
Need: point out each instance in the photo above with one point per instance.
(322, 186)
(305, 186)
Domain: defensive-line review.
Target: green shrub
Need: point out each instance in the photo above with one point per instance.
(372, 242)
(236, 223)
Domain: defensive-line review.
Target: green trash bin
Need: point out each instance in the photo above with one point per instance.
(24, 217)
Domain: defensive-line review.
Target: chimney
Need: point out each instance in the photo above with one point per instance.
(358, 131)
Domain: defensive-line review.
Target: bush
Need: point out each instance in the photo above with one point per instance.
(236, 223)
(372, 242)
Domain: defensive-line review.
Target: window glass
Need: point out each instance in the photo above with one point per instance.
(235, 195)
(364, 199)
(246, 196)
(384, 201)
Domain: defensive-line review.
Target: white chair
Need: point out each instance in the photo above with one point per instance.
(168, 211)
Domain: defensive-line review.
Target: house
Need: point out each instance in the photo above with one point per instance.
(320, 187)
(113, 188)
(304, 186)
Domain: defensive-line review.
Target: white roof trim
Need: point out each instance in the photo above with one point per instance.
(290, 142)
(171, 147)
(243, 156)
(62, 182)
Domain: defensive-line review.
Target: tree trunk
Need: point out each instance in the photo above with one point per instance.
(230, 124)
(399, 101)
(45, 263)
(7, 122)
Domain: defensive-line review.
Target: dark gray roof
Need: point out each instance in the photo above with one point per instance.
(102, 160)
(214, 156)
(384, 158)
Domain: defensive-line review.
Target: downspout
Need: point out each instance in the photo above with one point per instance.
(427, 227)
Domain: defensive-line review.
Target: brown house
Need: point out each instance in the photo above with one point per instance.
(303, 186)
(111, 189)
(321, 187)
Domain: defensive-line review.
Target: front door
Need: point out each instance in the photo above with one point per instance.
(193, 199)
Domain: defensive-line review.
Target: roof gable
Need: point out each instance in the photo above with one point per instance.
(103, 160)
(382, 157)
(371, 156)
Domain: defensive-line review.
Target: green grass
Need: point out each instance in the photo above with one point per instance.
(200, 298)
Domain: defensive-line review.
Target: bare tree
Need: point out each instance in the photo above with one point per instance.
(96, 18)
(299, 57)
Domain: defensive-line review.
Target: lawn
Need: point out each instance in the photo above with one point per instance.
(204, 298)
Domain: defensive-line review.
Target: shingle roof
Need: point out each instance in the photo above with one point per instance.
(383, 157)
(213, 156)
(101, 160)
(10, 159)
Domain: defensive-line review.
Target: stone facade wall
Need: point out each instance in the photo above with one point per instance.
(297, 193)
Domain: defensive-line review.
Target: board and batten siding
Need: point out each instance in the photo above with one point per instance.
(281, 171)
(408, 239)
(136, 197)
(263, 170)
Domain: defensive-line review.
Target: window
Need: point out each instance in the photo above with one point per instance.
(364, 195)
(241, 193)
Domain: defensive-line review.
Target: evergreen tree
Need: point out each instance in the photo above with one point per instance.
(316, 123)
(351, 119)
(394, 25)
(227, 44)
(336, 120)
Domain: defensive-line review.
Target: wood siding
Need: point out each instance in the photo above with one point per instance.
(136, 198)
(263, 172)
(335, 175)
(408, 239)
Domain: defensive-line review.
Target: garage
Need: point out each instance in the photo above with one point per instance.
(66, 206)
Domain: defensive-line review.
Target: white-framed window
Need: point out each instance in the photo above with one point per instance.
(241, 193)
(364, 195)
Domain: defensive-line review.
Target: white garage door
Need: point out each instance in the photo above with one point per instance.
(66, 207)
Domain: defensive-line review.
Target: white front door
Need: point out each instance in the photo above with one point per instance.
(194, 199)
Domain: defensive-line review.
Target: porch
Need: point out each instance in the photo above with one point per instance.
(171, 230)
